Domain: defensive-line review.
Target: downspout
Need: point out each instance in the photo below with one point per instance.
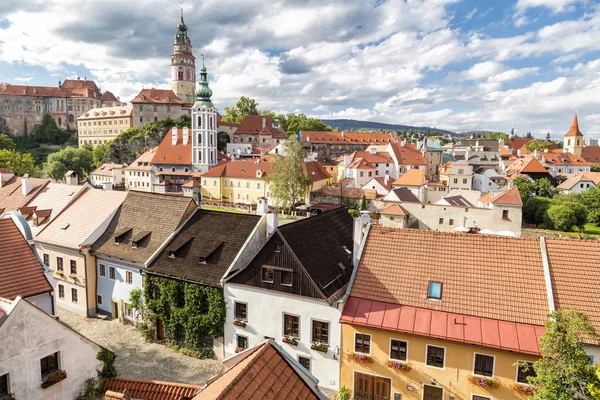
(547, 277)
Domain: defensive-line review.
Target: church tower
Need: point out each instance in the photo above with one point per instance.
(183, 65)
(573, 141)
(204, 126)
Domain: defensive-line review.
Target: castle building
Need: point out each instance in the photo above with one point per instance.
(101, 125)
(23, 107)
(204, 127)
(183, 65)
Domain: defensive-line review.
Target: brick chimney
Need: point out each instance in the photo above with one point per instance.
(174, 136)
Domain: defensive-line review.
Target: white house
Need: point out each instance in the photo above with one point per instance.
(113, 174)
(488, 181)
(292, 292)
(36, 346)
(457, 175)
(580, 182)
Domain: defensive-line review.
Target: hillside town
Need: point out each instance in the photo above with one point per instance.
(177, 251)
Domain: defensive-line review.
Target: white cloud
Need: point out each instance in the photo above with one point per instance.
(23, 79)
(554, 5)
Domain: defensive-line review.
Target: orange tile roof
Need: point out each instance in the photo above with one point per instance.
(591, 154)
(21, 272)
(412, 177)
(107, 112)
(407, 155)
(317, 137)
(108, 96)
(574, 130)
(510, 336)
(524, 166)
(394, 209)
(241, 169)
(360, 163)
(157, 96)
(482, 275)
(504, 151)
(152, 390)
(253, 125)
(316, 171)
(351, 193)
(143, 162)
(507, 197)
(575, 274)
(265, 373)
(180, 154)
(69, 88)
(106, 169)
(11, 195)
(378, 158)
(560, 158)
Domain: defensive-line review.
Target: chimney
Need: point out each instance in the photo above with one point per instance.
(71, 178)
(343, 133)
(543, 159)
(276, 123)
(272, 222)
(26, 185)
(264, 122)
(536, 153)
(6, 175)
(373, 150)
(107, 186)
(174, 136)
(357, 236)
(386, 179)
(519, 153)
(186, 135)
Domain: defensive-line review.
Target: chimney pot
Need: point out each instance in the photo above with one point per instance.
(174, 136)
(186, 135)
(264, 122)
(26, 185)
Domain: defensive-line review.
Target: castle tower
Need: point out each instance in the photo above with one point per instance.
(183, 65)
(204, 126)
(573, 141)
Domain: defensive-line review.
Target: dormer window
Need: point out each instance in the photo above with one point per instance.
(434, 291)
(143, 97)
(167, 98)
(277, 247)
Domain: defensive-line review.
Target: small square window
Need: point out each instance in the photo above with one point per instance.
(99, 299)
(362, 343)
(102, 269)
(435, 356)
(47, 259)
(49, 365)
(320, 332)
(291, 325)
(73, 267)
(128, 310)
(277, 247)
(441, 221)
(398, 350)
(504, 214)
(478, 397)
(434, 291)
(129, 277)
(525, 370)
(74, 295)
(268, 274)
(451, 221)
(242, 342)
(111, 272)
(286, 278)
(305, 362)
(61, 291)
(484, 365)
(241, 311)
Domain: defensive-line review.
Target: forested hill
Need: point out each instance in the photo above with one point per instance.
(354, 125)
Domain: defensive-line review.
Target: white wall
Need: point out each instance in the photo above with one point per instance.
(43, 302)
(29, 335)
(265, 319)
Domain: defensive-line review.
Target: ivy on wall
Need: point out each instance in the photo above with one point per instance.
(191, 314)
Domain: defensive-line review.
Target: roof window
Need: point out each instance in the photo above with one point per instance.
(434, 291)
(65, 226)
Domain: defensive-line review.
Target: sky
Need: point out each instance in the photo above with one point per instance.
(453, 64)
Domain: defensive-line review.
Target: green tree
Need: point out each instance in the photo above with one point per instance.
(535, 208)
(69, 159)
(244, 106)
(363, 203)
(560, 217)
(6, 143)
(580, 212)
(300, 122)
(544, 188)
(539, 145)
(48, 132)
(595, 168)
(20, 163)
(525, 187)
(564, 371)
(591, 199)
(289, 182)
(99, 153)
(594, 388)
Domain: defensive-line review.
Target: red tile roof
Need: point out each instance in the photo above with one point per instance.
(412, 177)
(264, 373)
(524, 166)
(379, 157)
(180, 154)
(482, 275)
(316, 170)
(507, 197)
(560, 158)
(253, 125)
(241, 169)
(511, 336)
(317, 137)
(11, 195)
(591, 154)
(21, 272)
(394, 209)
(157, 96)
(152, 390)
(69, 88)
(407, 155)
(360, 163)
(574, 130)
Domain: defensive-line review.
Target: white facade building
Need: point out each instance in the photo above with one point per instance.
(34, 345)
(204, 127)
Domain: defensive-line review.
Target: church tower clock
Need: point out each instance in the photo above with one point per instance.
(183, 65)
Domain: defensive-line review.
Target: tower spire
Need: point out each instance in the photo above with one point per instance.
(181, 9)
(203, 93)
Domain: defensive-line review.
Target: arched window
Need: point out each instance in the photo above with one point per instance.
(180, 75)
(199, 121)
(173, 169)
(200, 156)
(569, 142)
(160, 169)
(577, 142)
(187, 170)
(59, 121)
(199, 138)
(211, 122)
(71, 118)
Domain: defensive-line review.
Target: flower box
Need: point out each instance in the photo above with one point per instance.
(484, 382)
(54, 378)
(9, 397)
(361, 358)
(239, 349)
(290, 340)
(528, 390)
(74, 277)
(320, 346)
(239, 322)
(398, 365)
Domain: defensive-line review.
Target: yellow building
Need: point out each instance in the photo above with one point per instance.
(245, 181)
(442, 316)
(101, 125)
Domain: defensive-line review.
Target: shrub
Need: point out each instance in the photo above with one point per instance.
(560, 217)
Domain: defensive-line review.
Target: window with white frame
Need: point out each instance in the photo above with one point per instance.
(435, 356)
(524, 371)
(483, 365)
(362, 343)
(398, 350)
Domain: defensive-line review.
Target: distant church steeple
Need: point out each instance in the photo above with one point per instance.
(573, 141)
(183, 64)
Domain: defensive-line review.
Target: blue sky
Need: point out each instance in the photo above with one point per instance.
(459, 65)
